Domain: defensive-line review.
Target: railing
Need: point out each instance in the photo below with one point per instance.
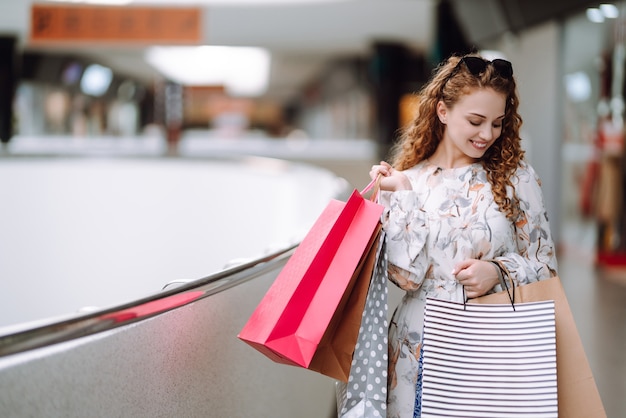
(171, 354)
(104, 320)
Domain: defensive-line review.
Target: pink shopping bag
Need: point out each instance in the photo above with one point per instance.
(297, 311)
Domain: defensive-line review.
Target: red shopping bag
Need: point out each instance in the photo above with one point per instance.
(290, 321)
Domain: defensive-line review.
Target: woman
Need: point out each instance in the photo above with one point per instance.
(462, 207)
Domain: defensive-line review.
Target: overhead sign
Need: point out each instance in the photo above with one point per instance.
(115, 24)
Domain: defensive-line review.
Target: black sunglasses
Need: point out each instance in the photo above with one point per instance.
(477, 66)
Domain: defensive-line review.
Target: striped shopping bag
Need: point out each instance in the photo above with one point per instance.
(489, 360)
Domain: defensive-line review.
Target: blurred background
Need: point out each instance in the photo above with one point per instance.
(94, 93)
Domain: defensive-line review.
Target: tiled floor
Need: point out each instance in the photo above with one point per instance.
(597, 298)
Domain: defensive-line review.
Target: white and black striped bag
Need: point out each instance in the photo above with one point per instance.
(489, 360)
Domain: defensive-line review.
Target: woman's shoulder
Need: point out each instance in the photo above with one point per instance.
(416, 170)
(524, 166)
(525, 176)
(525, 171)
(417, 166)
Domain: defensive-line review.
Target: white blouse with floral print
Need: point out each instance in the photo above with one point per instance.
(450, 215)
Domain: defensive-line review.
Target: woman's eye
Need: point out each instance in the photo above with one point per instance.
(479, 122)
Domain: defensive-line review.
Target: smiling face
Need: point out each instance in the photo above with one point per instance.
(471, 126)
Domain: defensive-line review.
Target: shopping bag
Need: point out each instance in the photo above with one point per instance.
(489, 361)
(365, 393)
(333, 356)
(578, 395)
(297, 311)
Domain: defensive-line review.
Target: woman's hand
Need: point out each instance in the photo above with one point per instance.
(393, 180)
(477, 276)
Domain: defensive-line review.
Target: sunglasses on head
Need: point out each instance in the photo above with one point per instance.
(478, 65)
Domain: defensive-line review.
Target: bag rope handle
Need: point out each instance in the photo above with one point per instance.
(501, 273)
(375, 185)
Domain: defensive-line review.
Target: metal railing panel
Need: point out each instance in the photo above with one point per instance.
(185, 361)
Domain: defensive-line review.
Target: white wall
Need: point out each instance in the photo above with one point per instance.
(536, 57)
(99, 232)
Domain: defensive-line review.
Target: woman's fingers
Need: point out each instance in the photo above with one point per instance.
(393, 180)
(376, 170)
(477, 276)
(382, 168)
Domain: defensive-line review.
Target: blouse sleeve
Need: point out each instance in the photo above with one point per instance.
(406, 227)
(535, 258)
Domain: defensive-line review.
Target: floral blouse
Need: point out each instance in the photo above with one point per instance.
(451, 215)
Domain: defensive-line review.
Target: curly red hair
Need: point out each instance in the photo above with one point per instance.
(421, 137)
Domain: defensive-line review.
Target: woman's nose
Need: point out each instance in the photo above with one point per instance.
(486, 134)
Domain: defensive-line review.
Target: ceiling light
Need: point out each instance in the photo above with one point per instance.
(595, 15)
(96, 80)
(609, 11)
(492, 54)
(578, 86)
(243, 71)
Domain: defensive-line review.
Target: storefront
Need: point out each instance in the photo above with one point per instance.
(593, 66)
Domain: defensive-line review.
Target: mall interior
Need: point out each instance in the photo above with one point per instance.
(162, 159)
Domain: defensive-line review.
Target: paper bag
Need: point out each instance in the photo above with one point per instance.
(578, 395)
(295, 314)
(365, 393)
(489, 361)
(333, 356)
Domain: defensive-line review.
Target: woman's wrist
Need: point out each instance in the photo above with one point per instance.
(500, 273)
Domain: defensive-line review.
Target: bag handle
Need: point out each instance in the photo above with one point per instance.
(375, 185)
(505, 272)
(502, 271)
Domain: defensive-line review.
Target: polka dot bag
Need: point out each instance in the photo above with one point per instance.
(365, 394)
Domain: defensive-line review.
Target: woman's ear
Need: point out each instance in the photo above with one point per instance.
(442, 111)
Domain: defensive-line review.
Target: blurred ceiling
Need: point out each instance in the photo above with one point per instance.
(303, 36)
